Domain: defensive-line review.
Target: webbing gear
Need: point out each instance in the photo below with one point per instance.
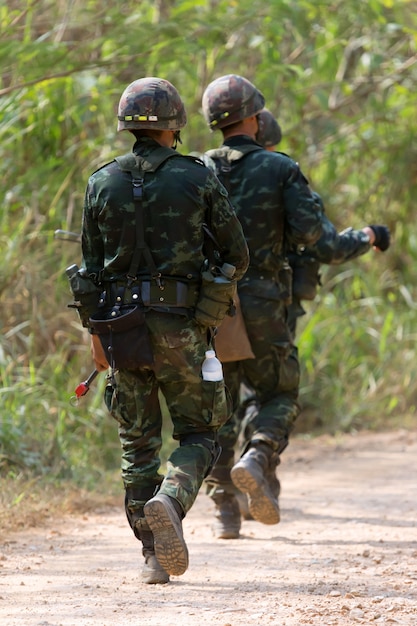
(137, 166)
(123, 332)
(223, 158)
(177, 293)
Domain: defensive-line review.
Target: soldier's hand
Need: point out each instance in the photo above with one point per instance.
(97, 352)
(382, 237)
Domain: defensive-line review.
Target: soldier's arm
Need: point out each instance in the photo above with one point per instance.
(227, 229)
(302, 213)
(91, 239)
(335, 248)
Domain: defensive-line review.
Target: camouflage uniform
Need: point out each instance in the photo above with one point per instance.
(276, 208)
(178, 197)
(174, 234)
(331, 248)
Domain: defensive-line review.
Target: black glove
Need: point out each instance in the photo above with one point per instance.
(382, 236)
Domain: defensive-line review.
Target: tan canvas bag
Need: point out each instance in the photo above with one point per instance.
(232, 341)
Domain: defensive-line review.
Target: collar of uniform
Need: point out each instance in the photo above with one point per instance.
(144, 145)
(239, 140)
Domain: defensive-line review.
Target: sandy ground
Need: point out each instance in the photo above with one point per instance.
(344, 553)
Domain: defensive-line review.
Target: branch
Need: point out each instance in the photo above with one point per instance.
(64, 73)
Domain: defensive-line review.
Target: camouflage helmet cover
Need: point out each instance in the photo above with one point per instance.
(230, 99)
(269, 131)
(151, 103)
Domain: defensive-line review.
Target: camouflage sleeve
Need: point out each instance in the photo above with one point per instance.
(334, 248)
(91, 239)
(302, 214)
(226, 226)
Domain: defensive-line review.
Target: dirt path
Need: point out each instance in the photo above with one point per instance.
(344, 553)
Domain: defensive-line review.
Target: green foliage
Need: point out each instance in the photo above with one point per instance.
(358, 353)
(341, 76)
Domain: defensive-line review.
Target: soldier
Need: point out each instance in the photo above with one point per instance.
(332, 248)
(143, 242)
(275, 205)
(266, 419)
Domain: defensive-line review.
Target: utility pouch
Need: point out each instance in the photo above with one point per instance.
(216, 403)
(124, 336)
(306, 277)
(216, 299)
(85, 292)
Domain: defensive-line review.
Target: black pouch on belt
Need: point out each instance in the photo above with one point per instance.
(305, 277)
(124, 336)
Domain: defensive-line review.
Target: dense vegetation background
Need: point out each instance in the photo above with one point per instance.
(341, 76)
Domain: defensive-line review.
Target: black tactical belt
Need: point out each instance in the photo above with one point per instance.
(172, 293)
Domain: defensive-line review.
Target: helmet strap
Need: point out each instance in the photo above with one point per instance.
(177, 139)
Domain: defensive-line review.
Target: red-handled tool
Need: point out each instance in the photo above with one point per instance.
(84, 387)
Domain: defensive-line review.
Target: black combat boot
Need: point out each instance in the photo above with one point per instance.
(250, 475)
(227, 514)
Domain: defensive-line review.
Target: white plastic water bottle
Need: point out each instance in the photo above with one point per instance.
(212, 368)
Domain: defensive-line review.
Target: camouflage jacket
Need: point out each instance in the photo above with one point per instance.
(178, 198)
(332, 248)
(335, 247)
(272, 200)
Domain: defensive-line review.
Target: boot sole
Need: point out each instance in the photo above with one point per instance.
(262, 508)
(170, 548)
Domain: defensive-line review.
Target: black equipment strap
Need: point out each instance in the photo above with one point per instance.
(137, 166)
(223, 158)
(141, 249)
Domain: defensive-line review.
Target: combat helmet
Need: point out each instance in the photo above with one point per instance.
(151, 103)
(269, 131)
(230, 99)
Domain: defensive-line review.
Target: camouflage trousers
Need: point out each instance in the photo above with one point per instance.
(197, 409)
(273, 377)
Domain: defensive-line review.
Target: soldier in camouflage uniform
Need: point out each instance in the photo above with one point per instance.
(275, 205)
(332, 248)
(179, 194)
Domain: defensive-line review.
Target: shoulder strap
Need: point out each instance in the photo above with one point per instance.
(138, 166)
(232, 154)
(223, 158)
